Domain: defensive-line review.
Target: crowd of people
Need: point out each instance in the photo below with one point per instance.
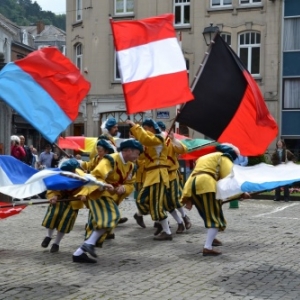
(147, 163)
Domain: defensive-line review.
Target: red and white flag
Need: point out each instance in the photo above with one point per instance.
(151, 64)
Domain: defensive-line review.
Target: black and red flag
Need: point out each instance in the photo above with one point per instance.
(229, 106)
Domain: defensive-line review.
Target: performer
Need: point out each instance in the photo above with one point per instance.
(175, 147)
(109, 132)
(116, 169)
(200, 190)
(152, 196)
(62, 215)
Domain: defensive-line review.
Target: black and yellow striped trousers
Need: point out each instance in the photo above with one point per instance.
(209, 208)
(173, 199)
(104, 214)
(151, 199)
(60, 216)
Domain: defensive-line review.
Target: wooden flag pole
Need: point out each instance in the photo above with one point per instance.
(35, 203)
(239, 198)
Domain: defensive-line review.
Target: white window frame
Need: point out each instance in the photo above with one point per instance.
(78, 56)
(249, 47)
(78, 10)
(220, 5)
(182, 5)
(124, 12)
(116, 79)
(251, 2)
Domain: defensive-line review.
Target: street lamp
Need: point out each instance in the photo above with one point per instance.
(209, 33)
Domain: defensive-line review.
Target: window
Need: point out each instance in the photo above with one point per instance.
(117, 76)
(250, 2)
(78, 56)
(291, 93)
(291, 34)
(78, 10)
(227, 38)
(182, 12)
(249, 51)
(124, 7)
(220, 3)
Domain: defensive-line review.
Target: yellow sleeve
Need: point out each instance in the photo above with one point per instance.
(146, 138)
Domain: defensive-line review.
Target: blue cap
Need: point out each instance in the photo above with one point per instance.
(107, 146)
(110, 123)
(70, 165)
(152, 123)
(161, 125)
(228, 151)
(132, 144)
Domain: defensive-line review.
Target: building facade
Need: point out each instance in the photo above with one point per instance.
(289, 117)
(251, 27)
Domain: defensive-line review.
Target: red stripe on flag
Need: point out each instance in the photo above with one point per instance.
(133, 33)
(58, 76)
(156, 92)
(251, 122)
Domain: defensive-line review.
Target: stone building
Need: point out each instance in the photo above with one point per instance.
(251, 27)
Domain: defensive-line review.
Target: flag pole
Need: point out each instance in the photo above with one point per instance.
(239, 197)
(195, 79)
(35, 203)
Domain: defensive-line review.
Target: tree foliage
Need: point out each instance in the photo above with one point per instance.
(26, 12)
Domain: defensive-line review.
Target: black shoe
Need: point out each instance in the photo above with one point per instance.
(54, 248)
(83, 258)
(89, 249)
(46, 242)
(123, 220)
(159, 229)
(139, 220)
(187, 222)
(286, 199)
(276, 199)
(110, 236)
(163, 237)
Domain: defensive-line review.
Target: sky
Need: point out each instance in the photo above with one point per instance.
(56, 6)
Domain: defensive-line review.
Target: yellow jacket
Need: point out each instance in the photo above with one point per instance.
(155, 156)
(175, 147)
(140, 165)
(69, 194)
(112, 170)
(208, 170)
(90, 165)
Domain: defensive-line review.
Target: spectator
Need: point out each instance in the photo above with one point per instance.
(28, 157)
(241, 161)
(281, 156)
(35, 158)
(16, 150)
(46, 157)
(55, 160)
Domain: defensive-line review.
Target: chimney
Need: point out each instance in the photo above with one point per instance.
(40, 26)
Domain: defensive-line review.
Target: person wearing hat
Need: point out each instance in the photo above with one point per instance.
(153, 195)
(62, 215)
(175, 148)
(116, 169)
(109, 131)
(200, 190)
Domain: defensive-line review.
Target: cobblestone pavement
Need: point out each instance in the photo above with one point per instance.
(260, 258)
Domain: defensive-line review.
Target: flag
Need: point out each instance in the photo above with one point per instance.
(151, 63)
(78, 143)
(195, 147)
(228, 105)
(19, 180)
(257, 178)
(46, 89)
(8, 212)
